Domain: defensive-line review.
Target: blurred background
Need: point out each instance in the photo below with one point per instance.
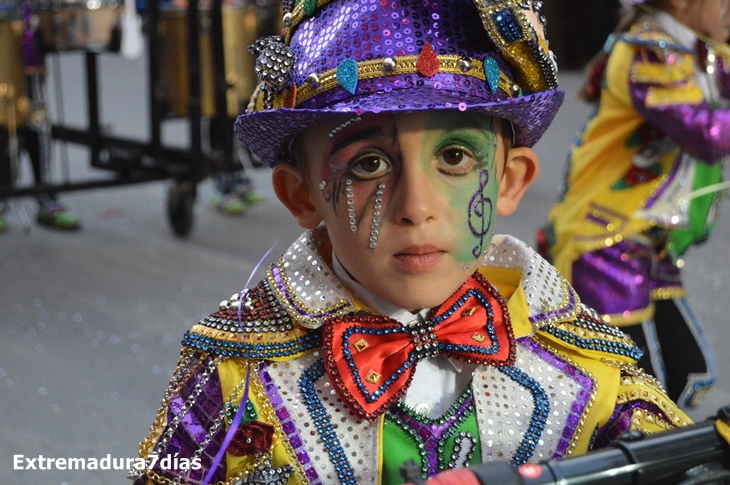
(91, 320)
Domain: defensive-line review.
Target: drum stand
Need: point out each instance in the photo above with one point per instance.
(134, 161)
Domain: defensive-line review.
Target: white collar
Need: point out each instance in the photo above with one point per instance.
(681, 33)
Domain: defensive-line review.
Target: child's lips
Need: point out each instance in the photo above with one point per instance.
(419, 258)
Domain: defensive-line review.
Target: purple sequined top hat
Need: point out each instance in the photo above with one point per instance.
(338, 59)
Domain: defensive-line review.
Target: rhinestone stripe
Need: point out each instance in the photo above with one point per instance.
(230, 347)
(358, 440)
(297, 449)
(178, 379)
(633, 375)
(539, 417)
(323, 423)
(403, 65)
(258, 386)
(587, 336)
(569, 414)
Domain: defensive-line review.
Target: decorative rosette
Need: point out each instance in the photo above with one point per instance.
(517, 28)
(274, 65)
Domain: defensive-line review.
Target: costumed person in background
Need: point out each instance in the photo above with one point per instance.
(25, 123)
(644, 181)
(397, 327)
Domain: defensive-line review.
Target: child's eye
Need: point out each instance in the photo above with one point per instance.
(455, 161)
(370, 167)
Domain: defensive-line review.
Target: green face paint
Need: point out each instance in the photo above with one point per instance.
(471, 185)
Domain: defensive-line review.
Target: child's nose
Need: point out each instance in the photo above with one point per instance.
(413, 198)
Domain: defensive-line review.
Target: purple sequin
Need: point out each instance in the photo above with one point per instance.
(288, 427)
(619, 279)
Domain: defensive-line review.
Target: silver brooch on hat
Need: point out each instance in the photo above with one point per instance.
(274, 65)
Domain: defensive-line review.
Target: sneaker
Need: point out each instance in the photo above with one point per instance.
(52, 214)
(228, 203)
(2, 223)
(251, 197)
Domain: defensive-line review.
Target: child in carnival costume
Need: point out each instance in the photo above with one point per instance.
(643, 182)
(397, 326)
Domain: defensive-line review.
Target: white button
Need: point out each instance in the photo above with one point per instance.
(422, 408)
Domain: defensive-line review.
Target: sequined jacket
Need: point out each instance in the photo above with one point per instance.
(659, 132)
(574, 385)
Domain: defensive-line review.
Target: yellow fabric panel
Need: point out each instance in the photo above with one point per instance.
(662, 73)
(605, 380)
(509, 284)
(231, 372)
(689, 93)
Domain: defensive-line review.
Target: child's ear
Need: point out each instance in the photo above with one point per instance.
(292, 190)
(520, 170)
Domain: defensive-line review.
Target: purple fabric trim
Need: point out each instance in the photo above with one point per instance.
(300, 449)
(279, 280)
(619, 279)
(620, 422)
(193, 427)
(583, 396)
(432, 434)
(698, 129)
(615, 279)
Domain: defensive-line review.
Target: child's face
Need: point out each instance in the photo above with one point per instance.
(709, 17)
(423, 188)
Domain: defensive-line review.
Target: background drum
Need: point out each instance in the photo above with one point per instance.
(241, 28)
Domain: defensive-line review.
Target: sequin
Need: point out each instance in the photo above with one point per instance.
(491, 69)
(347, 75)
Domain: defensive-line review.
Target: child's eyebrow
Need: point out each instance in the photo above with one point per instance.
(468, 123)
(373, 131)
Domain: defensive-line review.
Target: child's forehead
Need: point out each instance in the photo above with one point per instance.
(388, 125)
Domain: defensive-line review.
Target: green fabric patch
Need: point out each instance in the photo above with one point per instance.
(399, 446)
(701, 221)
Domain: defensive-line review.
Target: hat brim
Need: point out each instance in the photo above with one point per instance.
(269, 133)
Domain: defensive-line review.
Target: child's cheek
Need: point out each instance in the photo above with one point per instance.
(474, 210)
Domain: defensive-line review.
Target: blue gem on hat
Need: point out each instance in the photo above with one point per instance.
(491, 69)
(347, 75)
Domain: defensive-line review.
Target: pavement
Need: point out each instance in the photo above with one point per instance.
(91, 321)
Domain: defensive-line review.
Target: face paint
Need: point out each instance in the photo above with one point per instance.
(480, 213)
(472, 191)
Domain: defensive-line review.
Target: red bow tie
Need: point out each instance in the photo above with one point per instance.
(371, 359)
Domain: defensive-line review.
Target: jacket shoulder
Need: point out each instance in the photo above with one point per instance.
(587, 332)
(257, 326)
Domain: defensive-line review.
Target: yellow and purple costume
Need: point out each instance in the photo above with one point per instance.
(628, 208)
(573, 386)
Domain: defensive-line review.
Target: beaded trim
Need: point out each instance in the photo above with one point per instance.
(431, 442)
(323, 423)
(589, 333)
(577, 417)
(306, 286)
(375, 68)
(632, 375)
(229, 345)
(298, 454)
(539, 416)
